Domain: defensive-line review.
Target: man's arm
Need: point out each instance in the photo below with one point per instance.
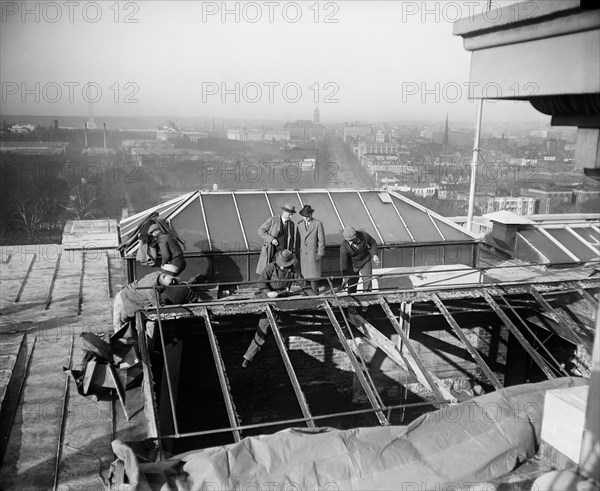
(306, 289)
(165, 251)
(264, 282)
(264, 231)
(344, 259)
(373, 246)
(320, 240)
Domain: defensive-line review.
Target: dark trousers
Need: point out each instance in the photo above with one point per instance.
(261, 332)
(315, 286)
(366, 272)
(179, 262)
(259, 339)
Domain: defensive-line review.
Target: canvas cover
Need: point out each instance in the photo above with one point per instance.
(453, 448)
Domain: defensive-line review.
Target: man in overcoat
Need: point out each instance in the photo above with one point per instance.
(278, 233)
(310, 241)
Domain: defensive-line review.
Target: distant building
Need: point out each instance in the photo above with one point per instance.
(555, 147)
(425, 191)
(305, 130)
(585, 195)
(376, 148)
(253, 134)
(170, 132)
(21, 129)
(538, 134)
(277, 135)
(549, 201)
(354, 132)
(238, 134)
(317, 116)
(521, 205)
(34, 148)
(386, 164)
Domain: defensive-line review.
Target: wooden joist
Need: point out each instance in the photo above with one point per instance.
(289, 368)
(414, 359)
(472, 351)
(540, 362)
(370, 391)
(232, 415)
(561, 327)
(403, 358)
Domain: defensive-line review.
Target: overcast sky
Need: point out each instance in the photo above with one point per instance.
(355, 60)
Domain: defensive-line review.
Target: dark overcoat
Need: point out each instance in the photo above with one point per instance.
(267, 232)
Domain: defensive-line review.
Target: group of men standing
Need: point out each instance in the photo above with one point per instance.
(276, 265)
(285, 246)
(307, 239)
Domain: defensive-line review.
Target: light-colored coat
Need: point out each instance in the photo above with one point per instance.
(310, 244)
(267, 232)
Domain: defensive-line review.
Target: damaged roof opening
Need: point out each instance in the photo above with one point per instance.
(344, 362)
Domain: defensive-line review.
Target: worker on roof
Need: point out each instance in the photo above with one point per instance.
(310, 240)
(140, 294)
(356, 252)
(170, 250)
(278, 233)
(276, 280)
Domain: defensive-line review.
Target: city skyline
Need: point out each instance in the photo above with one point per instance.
(382, 62)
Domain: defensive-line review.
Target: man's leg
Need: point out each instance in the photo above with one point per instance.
(352, 282)
(257, 342)
(366, 273)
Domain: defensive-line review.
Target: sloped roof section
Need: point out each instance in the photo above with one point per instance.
(563, 244)
(227, 221)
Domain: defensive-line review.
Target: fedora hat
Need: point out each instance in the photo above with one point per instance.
(306, 211)
(349, 233)
(169, 269)
(289, 208)
(285, 258)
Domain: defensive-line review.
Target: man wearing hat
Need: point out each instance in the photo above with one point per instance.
(275, 281)
(310, 240)
(278, 233)
(356, 253)
(140, 294)
(170, 250)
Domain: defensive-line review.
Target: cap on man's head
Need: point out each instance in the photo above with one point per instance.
(289, 208)
(306, 211)
(349, 233)
(285, 258)
(153, 228)
(169, 269)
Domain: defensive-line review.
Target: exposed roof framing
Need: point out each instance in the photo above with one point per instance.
(402, 353)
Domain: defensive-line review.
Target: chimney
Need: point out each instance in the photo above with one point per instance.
(85, 134)
(56, 125)
(104, 125)
(505, 226)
